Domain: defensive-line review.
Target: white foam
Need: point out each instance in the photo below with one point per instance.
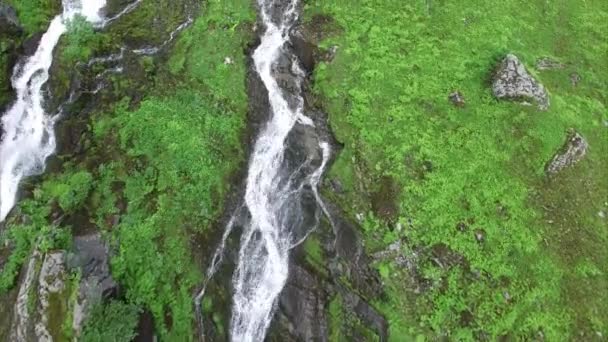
(28, 137)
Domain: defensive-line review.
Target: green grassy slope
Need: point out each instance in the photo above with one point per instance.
(156, 165)
(453, 172)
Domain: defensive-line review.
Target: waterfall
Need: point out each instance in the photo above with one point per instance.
(28, 137)
(272, 194)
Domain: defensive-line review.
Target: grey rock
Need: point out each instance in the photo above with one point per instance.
(9, 22)
(513, 82)
(92, 257)
(571, 153)
(367, 314)
(51, 281)
(457, 99)
(22, 325)
(303, 302)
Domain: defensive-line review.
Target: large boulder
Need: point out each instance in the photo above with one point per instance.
(9, 22)
(573, 150)
(513, 82)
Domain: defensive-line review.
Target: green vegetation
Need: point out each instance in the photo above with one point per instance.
(35, 15)
(477, 170)
(80, 41)
(156, 172)
(114, 321)
(178, 165)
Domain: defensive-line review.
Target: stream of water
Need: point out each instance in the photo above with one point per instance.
(271, 193)
(28, 137)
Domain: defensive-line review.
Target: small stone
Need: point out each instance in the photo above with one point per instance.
(359, 217)
(601, 214)
(547, 63)
(228, 61)
(457, 99)
(461, 226)
(480, 235)
(575, 78)
(330, 54)
(336, 186)
(571, 153)
(513, 82)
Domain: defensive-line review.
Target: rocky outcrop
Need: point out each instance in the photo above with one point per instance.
(22, 328)
(51, 283)
(512, 81)
(46, 293)
(303, 303)
(573, 150)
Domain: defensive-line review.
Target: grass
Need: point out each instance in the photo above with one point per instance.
(171, 167)
(480, 167)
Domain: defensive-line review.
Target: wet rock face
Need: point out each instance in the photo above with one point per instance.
(303, 303)
(9, 22)
(571, 153)
(513, 82)
(91, 256)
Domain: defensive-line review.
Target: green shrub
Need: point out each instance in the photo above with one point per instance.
(114, 321)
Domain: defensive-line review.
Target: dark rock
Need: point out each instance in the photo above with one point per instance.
(303, 302)
(9, 22)
(330, 54)
(30, 45)
(304, 50)
(367, 314)
(457, 99)
(547, 63)
(513, 82)
(96, 284)
(113, 7)
(571, 153)
(92, 256)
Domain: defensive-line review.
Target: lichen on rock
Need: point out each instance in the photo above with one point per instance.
(571, 153)
(512, 81)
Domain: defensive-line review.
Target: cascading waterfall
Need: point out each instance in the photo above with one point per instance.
(28, 137)
(272, 195)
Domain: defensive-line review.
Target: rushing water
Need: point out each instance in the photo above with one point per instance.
(28, 137)
(271, 193)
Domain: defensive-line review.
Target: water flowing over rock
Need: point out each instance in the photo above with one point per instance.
(281, 205)
(513, 82)
(573, 151)
(29, 137)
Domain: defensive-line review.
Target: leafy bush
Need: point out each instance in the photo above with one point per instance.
(114, 321)
(69, 190)
(80, 41)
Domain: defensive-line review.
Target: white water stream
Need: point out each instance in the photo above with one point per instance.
(28, 137)
(262, 267)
